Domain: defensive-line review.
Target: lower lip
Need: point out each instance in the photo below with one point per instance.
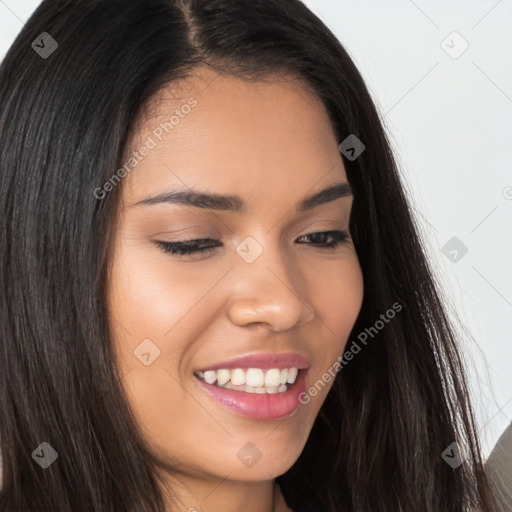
(260, 406)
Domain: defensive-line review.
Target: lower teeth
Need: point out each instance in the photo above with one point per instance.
(261, 390)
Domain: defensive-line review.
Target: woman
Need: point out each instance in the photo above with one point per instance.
(214, 296)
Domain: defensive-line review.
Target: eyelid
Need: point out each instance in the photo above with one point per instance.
(325, 225)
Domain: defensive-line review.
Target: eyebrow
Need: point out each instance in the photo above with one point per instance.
(237, 204)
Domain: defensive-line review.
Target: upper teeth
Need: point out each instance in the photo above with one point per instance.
(254, 377)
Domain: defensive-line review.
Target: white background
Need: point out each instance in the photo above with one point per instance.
(450, 122)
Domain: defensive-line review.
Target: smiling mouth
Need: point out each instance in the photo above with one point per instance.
(251, 380)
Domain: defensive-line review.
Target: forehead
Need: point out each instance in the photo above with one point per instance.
(220, 133)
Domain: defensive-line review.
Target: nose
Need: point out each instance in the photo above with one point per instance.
(268, 291)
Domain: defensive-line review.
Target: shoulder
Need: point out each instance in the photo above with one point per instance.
(498, 469)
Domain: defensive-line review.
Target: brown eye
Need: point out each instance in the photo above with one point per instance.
(339, 237)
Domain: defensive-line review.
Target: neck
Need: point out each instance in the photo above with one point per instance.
(207, 495)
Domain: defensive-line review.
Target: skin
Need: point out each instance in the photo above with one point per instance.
(270, 143)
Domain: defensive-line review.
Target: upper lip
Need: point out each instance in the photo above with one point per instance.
(265, 361)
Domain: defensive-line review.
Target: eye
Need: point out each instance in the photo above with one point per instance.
(199, 245)
(338, 237)
(186, 246)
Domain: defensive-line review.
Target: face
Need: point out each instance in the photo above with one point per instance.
(266, 285)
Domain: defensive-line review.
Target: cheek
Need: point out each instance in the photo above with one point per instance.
(338, 298)
(149, 300)
(152, 299)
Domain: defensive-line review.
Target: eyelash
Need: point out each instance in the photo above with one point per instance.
(192, 246)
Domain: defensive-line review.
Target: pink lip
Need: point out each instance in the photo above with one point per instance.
(263, 361)
(253, 405)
